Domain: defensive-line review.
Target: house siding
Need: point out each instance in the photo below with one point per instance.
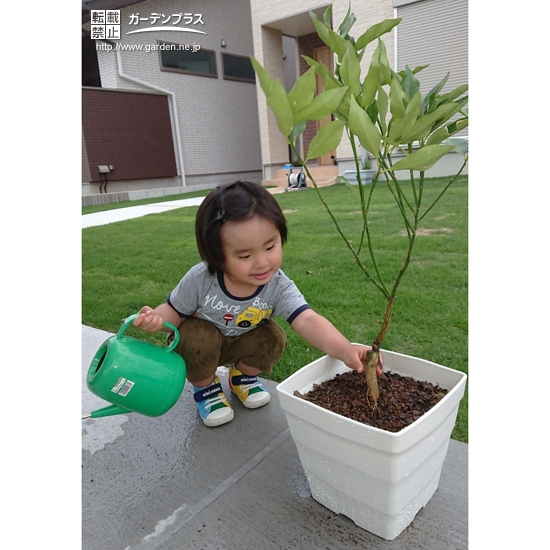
(217, 118)
(434, 32)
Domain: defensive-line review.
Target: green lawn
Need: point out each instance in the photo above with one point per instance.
(136, 262)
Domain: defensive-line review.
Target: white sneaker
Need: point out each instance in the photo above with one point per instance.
(247, 388)
(213, 406)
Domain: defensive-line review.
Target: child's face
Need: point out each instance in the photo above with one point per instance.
(253, 253)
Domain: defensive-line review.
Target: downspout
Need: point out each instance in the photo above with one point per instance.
(174, 107)
(394, 41)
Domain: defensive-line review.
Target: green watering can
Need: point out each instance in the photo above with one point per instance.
(136, 376)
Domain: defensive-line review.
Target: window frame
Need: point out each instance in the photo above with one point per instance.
(236, 78)
(184, 71)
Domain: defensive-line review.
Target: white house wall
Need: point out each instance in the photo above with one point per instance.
(218, 119)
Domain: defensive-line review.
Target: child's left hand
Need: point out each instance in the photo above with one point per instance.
(355, 354)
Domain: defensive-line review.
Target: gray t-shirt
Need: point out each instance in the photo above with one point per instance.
(202, 295)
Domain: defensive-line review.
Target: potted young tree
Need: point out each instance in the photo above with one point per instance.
(377, 478)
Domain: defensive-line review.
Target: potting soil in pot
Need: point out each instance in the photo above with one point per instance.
(402, 399)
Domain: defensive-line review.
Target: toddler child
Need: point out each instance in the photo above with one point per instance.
(223, 307)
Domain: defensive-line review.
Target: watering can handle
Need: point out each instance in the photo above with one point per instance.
(129, 320)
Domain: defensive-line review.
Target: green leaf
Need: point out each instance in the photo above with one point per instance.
(410, 83)
(322, 71)
(382, 108)
(447, 115)
(424, 158)
(346, 24)
(424, 124)
(331, 83)
(376, 31)
(361, 125)
(350, 70)
(298, 129)
(370, 85)
(451, 96)
(372, 111)
(446, 131)
(343, 109)
(334, 41)
(277, 98)
(429, 98)
(280, 105)
(303, 90)
(327, 15)
(397, 98)
(265, 80)
(326, 140)
(380, 59)
(414, 71)
(399, 126)
(322, 105)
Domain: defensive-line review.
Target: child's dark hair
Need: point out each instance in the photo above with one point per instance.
(233, 202)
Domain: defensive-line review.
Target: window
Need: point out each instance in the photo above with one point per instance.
(202, 62)
(237, 67)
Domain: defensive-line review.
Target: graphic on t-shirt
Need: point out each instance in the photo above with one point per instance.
(253, 316)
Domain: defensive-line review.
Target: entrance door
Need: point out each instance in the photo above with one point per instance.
(324, 56)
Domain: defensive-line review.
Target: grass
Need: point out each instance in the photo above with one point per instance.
(136, 262)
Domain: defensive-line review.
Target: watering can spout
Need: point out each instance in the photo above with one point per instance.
(109, 411)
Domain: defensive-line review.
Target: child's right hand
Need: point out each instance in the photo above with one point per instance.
(148, 320)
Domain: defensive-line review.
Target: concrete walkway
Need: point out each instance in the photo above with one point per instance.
(171, 483)
(121, 214)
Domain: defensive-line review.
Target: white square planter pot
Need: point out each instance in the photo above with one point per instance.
(378, 479)
(366, 176)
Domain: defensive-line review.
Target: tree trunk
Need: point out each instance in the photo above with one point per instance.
(371, 363)
(373, 356)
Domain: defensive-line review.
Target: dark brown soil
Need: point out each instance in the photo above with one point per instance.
(402, 399)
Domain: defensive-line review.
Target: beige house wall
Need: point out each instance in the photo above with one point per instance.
(268, 50)
(273, 145)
